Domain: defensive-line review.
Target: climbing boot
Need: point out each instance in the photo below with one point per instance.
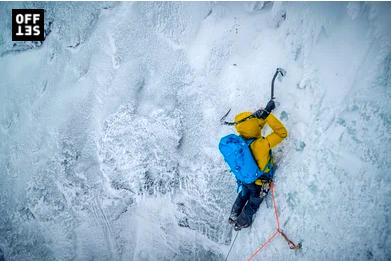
(238, 227)
(232, 219)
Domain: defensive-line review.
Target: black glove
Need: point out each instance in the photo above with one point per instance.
(270, 106)
(263, 113)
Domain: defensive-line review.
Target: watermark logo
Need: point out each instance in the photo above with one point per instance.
(28, 25)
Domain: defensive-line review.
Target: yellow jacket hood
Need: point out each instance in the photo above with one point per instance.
(250, 128)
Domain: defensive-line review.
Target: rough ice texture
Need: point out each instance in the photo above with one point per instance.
(109, 130)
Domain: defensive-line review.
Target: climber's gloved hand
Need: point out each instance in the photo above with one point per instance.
(270, 106)
(263, 113)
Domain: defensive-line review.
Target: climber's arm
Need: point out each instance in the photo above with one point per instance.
(279, 131)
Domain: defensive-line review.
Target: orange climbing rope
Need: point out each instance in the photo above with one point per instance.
(276, 232)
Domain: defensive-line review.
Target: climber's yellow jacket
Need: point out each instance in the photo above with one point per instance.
(261, 146)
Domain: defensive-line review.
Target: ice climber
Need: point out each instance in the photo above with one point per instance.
(251, 189)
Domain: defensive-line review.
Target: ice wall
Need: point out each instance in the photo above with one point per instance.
(109, 129)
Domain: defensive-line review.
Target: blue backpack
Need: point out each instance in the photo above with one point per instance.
(237, 153)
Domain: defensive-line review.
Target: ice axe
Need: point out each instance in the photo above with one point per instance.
(280, 71)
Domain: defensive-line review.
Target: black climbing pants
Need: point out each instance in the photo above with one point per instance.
(247, 203)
